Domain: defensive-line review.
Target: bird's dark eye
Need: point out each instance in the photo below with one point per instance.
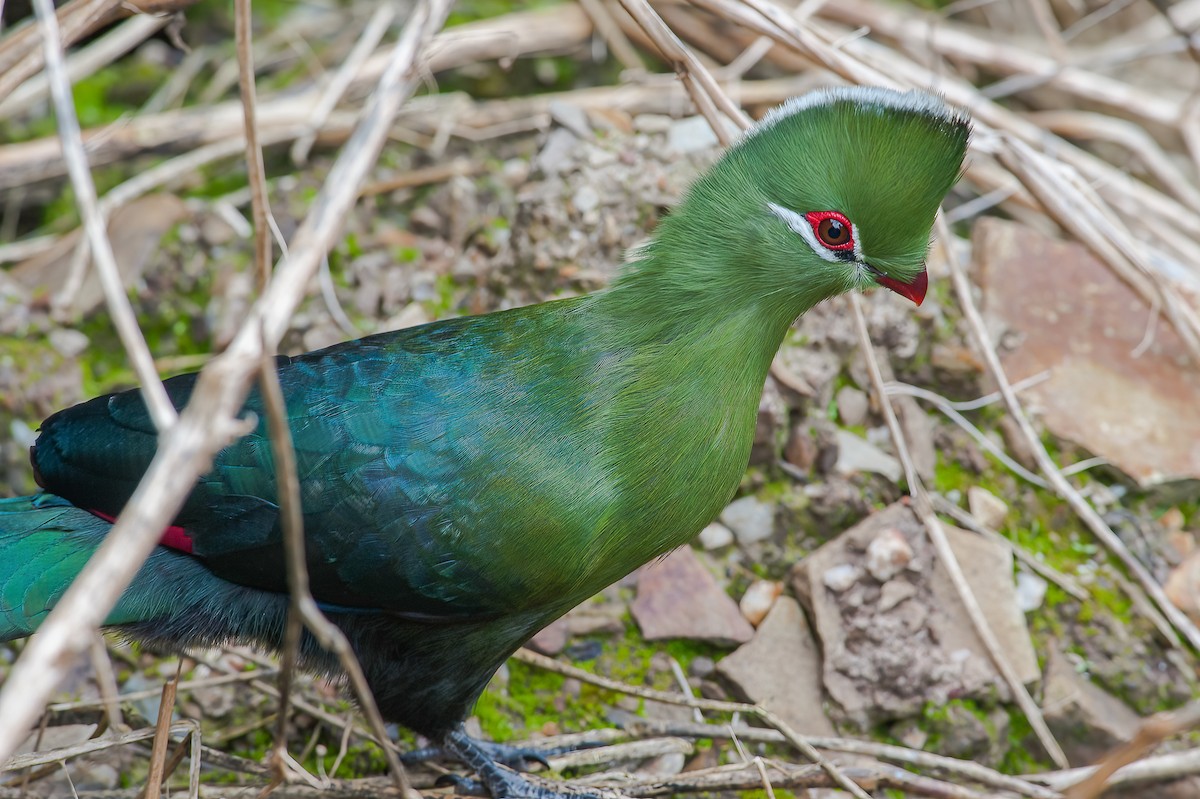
(832, 229)
(833, 233)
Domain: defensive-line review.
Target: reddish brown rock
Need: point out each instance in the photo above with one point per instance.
(781, 670)
(678, 598)
(1073, 317)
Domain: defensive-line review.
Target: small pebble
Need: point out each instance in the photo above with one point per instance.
(691, 135)
(894, 592)
(888, 554)
(1031, 591)
(586, 199)
(851, 406)
(652, 123)
(665, 765)
(750, 519)
(985, 506)
(715, 536)
(68, 343)
(759, 598)
(841, 577)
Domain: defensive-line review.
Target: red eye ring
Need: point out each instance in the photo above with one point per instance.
(832, 229)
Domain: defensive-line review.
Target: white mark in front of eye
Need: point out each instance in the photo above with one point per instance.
(799, 224)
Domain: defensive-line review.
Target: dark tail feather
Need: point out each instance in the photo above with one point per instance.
(45, 542)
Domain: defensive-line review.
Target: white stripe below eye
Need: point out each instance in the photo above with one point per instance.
(800, 225)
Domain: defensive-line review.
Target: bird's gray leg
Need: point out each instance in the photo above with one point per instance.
(500, 781)
(517, 758)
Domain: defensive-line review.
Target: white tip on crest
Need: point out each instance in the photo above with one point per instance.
(911, 101)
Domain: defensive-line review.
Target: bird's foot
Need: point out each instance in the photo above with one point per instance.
(496, 777)
(511, 785)
(517, 758)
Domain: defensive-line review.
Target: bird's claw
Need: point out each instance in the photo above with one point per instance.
(490, 762)
(463, 786)
(517, 758)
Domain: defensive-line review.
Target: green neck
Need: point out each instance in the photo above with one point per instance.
(674, 299)
(687, 390)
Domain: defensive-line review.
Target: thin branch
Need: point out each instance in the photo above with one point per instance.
(59, 754)
(962, 769)
(89, 60)
(550, 664)
(1030, 561)
(372, 34)
(303, 610)
(158, 751)
(255, 171)
(704, 90)
(106, 680)
(610, 31)
(992, 448)
(923, 507)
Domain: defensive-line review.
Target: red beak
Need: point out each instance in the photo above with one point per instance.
(914, 291)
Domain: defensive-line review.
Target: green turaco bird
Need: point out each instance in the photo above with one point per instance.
(465, 482)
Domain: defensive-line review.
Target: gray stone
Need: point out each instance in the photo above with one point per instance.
(750, 519)
(781, 669)
(852, 406)
(585, 199)
(887, 654)
(966, 735)
(701, 666)
(1085, 719)
(665, 765)
(856, 454)
(715, 536)
(691, 135)
(56, 737)
(67, 342)
(571, 117)
(894, 592)
(558, 153)
(1031, 591)
(840, 577)
(677, 597)
(652, 123)
(988, 508)
(589, 619)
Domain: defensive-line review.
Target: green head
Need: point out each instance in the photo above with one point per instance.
(832, 191)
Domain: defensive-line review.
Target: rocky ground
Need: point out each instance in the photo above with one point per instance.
(817, 593)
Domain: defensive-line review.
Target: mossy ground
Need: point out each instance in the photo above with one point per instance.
(527, 701)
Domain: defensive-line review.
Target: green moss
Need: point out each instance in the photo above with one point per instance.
(441, 305)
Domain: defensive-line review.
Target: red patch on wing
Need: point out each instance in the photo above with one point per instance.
(175, 537)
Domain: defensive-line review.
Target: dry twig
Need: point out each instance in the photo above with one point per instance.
(923, 507)
(158, 752)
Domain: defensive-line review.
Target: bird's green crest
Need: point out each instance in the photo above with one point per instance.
(867, 166)
(885, 159)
